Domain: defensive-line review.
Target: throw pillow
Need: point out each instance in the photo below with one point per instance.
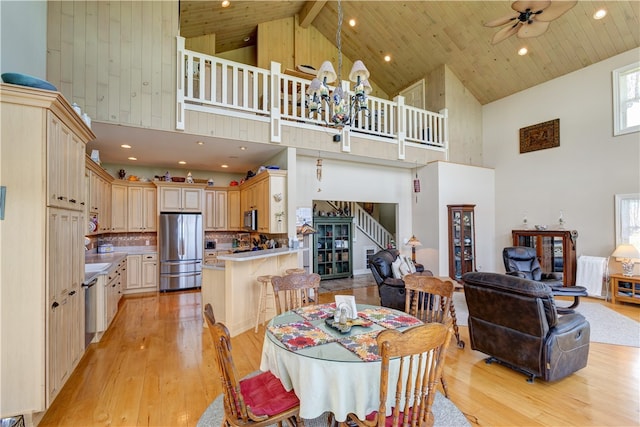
(395, 267)
(404, 269)
(410, 264)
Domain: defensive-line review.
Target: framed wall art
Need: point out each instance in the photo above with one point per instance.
(540, 136)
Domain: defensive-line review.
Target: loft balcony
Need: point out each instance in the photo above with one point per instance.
(211, 85)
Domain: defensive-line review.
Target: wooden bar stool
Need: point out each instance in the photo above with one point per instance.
(295, 271)
(265, 283)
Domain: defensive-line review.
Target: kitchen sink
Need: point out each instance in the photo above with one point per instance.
(95, 267)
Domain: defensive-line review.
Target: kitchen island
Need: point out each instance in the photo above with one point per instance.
(232, 289)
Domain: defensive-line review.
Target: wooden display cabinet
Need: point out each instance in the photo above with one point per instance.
(332, 247)
(462, 241)
(556, 250)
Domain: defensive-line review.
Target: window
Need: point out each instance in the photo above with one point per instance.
(628, 219)
(626, 99)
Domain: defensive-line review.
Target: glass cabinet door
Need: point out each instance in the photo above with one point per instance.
(461, 240)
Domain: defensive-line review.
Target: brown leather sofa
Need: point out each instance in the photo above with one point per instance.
(390, 289)
(515, 322)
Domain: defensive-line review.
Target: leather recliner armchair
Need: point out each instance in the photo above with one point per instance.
(390, 289)
(522, 261)
(515, 322)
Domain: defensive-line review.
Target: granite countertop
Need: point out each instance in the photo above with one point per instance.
(111, 258)
(252, 255)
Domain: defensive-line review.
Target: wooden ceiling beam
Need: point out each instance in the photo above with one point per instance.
(309, 11)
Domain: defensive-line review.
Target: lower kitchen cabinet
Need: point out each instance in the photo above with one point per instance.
(142, 273)
(110, 289)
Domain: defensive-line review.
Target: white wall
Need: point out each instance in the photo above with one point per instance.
(359, 183)
(454, 184)
(581, 176)
(23, 37)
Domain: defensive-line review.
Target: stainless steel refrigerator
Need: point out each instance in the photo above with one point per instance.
(180, 251)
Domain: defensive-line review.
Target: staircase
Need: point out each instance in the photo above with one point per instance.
(366, 223)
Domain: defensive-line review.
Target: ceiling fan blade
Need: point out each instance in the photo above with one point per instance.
(534, 29)
(501, 21)
(555, 10)
(504, 33)
(534, 6)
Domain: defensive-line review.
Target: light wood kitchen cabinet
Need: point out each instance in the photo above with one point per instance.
(119, 210)
(110, 289)
(65, 299)
(142, 208)
(41, 344)
(142, 273)
(215, 212)
(99, 205)
(234, 214)
(266, 192)
(65, 161)
(178, 197)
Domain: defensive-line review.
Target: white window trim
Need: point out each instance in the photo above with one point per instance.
(620, 213)
(617, 125)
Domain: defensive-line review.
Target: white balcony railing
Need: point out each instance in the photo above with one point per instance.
(208, 83)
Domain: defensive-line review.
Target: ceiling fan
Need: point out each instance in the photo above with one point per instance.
(530, 19)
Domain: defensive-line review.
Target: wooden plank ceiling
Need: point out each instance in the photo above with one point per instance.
(422, 35)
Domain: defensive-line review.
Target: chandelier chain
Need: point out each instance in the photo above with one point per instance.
(339, 43)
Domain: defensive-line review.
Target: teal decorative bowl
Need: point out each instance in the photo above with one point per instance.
(26, 80)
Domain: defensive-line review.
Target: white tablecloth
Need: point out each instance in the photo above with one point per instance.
(323, 384)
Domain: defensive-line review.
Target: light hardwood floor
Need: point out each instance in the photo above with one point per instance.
(155, 367)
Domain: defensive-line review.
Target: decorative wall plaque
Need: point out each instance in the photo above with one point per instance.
(540, 136)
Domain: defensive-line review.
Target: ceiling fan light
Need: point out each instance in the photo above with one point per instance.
(327, 72)
(523, 51)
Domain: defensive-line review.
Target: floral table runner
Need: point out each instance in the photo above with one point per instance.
(364, 346)
(389, 319)
(299, 335)
(316, 312)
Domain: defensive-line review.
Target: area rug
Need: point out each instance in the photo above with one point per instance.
(607, 326)
(359, 281)
(444, 412)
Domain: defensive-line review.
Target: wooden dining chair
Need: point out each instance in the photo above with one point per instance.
(255, 401)
(295, 290)
(430, 300)
(420, 353)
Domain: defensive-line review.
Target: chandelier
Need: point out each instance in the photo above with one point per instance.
(342, 107)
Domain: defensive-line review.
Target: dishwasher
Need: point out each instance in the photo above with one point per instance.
(90, 312)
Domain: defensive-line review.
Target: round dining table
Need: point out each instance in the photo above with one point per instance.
(331, 370)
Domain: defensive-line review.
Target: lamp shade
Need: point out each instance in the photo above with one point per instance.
(314, 87)
(367, 86)
(358, 70)
(413, 242)
(326, 71)
(626, 251)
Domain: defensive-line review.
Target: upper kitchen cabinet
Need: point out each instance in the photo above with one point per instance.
(118, 208)
(215, 213)
(266, 193)
(180, 197)
(142, 208)
(234, 214)
(42, 141)
(99, 197)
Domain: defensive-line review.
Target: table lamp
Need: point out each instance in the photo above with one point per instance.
(413, 242)
(626, 253)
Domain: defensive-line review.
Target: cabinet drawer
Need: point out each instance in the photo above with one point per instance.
(149, 257)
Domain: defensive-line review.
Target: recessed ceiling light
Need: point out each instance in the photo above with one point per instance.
(387, 58)
(132, 158)
(352, 22)
(522, 51)
(246, 39)
(125, 146)
(182, 162)
(225, 3)
(600, 13)
(224, 166)
(199, 142)
(242, 147)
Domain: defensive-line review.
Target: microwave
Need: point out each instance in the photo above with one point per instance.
(251, 220)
